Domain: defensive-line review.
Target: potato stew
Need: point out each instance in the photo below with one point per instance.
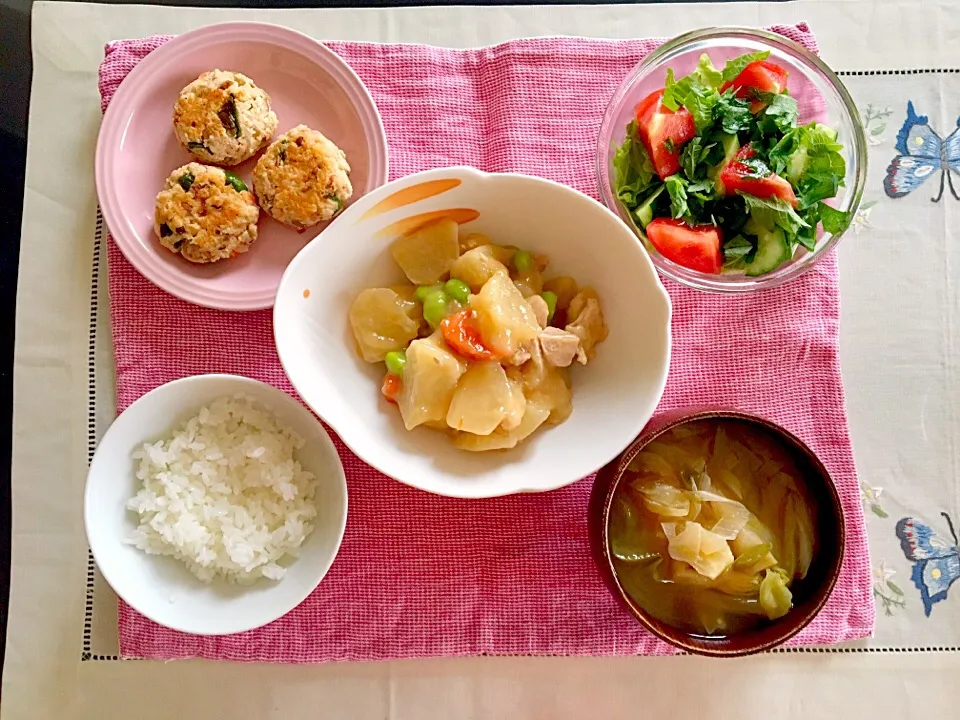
(477, 344)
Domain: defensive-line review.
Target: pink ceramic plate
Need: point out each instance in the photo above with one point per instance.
(137, 150)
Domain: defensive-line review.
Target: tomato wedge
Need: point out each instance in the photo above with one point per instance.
(760, 76)
(461, 332)
(663, 132)
(756, 179)
(392, 385)
(697, 247)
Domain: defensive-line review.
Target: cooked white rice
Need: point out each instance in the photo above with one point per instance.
(224, 494)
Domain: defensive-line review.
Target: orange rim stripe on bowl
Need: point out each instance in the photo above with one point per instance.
(410, 195)
(414, 222)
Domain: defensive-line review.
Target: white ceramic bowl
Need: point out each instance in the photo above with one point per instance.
(613, 397)
(162, 588)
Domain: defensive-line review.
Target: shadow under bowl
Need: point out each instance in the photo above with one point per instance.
(810, 594)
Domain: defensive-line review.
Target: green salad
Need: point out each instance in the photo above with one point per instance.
(719, 174)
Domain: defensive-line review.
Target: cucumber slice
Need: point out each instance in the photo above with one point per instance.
(828, 131)
(731, 146)
(772, 251)
(797, 165)
(644, 213)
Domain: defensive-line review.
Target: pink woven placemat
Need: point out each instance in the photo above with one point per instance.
(419, 575)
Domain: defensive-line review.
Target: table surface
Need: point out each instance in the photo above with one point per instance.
(901, 305)
(15, 76)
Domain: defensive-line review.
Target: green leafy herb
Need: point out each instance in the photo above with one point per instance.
(780, 115)
(734, 113)
(706, 189)
(198, 146)
(834, 221)
(774, 211)
(737, 252)
(756, 167)
(705, 75)
(282, 151)
(235, 182)
(634, 170)
(186, 181)
(165, 230)
(694, 157)
(736, 66)
(668, 144)
(695, 95)
(807, 236)
(810, 158)
(676, 188)
(697, 92)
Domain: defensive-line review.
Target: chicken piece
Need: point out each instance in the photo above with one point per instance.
(531, 372)
(588, 326)
(540, 309)
(519, 357)
(559, 346)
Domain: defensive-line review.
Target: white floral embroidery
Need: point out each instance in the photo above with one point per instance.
(886, 590)
(871, 498)
(875, 123)
(861, 221)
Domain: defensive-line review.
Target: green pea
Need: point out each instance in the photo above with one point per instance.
(435, 307)
(425, 291)
(186, 181)
(522, 260)
(551, 300)
(395, 361)
(457, 289)
(235, 182)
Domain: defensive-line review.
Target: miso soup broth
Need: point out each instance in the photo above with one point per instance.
(710, 526)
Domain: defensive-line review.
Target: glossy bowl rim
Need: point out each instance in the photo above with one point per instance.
(359, 446)
(703, 281)
(682, 416)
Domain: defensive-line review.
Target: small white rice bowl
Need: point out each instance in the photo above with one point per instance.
(225, 494)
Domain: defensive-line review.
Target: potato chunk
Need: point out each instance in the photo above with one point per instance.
(411, 306)
(429, 380)
(482, 399)
(506, 320)
(382, 321)
(425, 255)
(534, 416)
(553, 393)
(477, 266)
(472, 240)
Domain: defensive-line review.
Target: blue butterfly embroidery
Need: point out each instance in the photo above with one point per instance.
(922, 152)
(936, 562)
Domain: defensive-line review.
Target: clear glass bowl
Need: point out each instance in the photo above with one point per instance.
(821, 97)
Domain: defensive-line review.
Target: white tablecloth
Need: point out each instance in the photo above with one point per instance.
(900, 352)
